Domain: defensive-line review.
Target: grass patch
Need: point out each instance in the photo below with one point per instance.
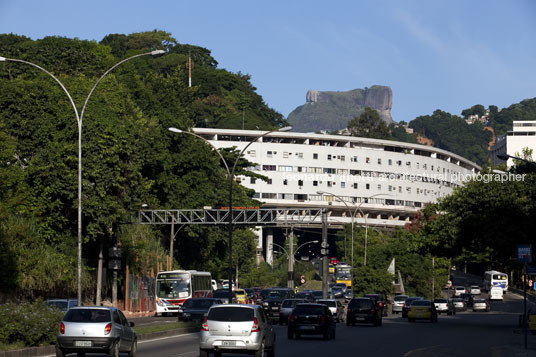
(164, 327)
(11, 346)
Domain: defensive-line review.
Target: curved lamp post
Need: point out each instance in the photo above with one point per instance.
(352, 215)
(505, 157)
(230, 177)
(301, 245)
(79, 118)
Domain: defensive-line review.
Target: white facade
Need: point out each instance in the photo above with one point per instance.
(522, 135)
(383, 183)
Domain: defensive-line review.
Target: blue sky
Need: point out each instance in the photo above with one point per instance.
(446, 55)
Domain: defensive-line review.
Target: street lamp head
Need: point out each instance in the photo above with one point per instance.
(2, 59)
(158, 53)
(285, 128)
(175, 130)
(315, 242)
(504, 157)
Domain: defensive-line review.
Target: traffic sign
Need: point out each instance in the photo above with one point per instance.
(324, 244)
(302, 279)
(324, 251)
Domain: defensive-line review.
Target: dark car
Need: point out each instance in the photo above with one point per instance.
(311, 319)
(223, 295)
(337, 292)
(468, 299)
(305, 295)
(317, 294)
(380, 301)
(251, 294)
(195, 309)
(407, 303)
(263, 294)
(272, 302)
(363, 309)
(286, 309)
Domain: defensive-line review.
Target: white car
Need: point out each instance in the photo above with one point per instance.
(495, 293)
(475, 290)
(459, 290)
(398, 303)
(336, 308)
(480, 305)
(441, 305)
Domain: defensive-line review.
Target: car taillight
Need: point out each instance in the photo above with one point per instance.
(291, 318)
(62, 328)
(255, 327)
(380, 304)
(447, 304)
(204, 326)
(322, 319)
(393, 303)
(107, 329)
(372, 311)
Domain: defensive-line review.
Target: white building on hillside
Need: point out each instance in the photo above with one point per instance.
(522, 135)
(383, 183)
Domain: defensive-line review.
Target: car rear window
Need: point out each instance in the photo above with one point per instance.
(440, 300)
(231, 314)
(221, 294)
(308, 310)
(361, 304)
(421, 303)
(87, 315)
(400, 298)
(290, 303)
(328, 303)
(194, 304)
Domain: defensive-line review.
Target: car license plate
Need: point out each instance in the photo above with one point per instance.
(419, 315)
(359, 318)
(275, 308)
(229, 343)
(307, 327)
(82, 343)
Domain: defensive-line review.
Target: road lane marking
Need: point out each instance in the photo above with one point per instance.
(167, 337)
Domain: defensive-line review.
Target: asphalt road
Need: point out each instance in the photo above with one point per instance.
(466, 334)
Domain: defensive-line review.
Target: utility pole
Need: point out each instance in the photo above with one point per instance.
(324, 253)
(433, 278)
(290, 278)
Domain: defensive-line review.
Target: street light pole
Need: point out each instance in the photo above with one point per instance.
(230, 176)
(79, 119)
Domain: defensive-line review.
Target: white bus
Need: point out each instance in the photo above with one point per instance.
(174, 287)
(495, 278)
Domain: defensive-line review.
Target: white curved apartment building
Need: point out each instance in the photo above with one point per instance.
(383, 183)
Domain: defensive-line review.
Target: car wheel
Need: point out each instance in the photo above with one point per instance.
(59, 352)
(333, 334)
(271, 352)
(325, 334)
(260, 351)
(348, 322)
(411, 320)
(133, 349)
(290, 334)
(114, 350)
(80, 354)
(380, 322)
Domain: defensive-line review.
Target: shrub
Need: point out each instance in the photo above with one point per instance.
(32, 324)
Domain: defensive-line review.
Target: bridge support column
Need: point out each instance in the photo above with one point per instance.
(258, 251)
(270, 246)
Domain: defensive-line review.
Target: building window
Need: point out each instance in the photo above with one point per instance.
(269, 195)
(252, 153)
(390, 162)
(315, 183)
(367, 160)
(355, 186)
(299, 168)
(379, 161)
(379, 187)
(342, 158)
(269, 181)
(300, 155)
(269, 167)
(343, 185)
(329, 183)
(269, 153)
(367, 186)
(285, 182)
(399, 162)
(285, 168)
(353, 159)
(285, 155)
(315, 156)
(329, 157)
(252, 180)
(300, 182)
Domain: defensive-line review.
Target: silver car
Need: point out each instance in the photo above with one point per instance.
(236, 328)
(398, 303)
(336, 308)
(95, 329)
(286, 309)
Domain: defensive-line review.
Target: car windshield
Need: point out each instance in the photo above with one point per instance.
(308, 310)
(276, 294)
(361, 304)
(329, 303)
(400, 298)
(317, 294)
(291, 303)
(62, 305)
(303, 295)
(457, 300)
(231, 314)
(197, 304)
(221, 294)
(336, 289)
(87, 315)
(241, 293)
(421, 303)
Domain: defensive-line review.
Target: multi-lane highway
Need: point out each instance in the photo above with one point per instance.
(466, 334)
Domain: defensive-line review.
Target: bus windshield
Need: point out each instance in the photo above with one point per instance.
(179, 286)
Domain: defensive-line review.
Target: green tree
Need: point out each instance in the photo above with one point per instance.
(369, 125)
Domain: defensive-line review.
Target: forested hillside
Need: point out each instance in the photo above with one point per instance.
(129, 156)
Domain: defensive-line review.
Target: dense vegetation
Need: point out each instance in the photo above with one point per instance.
(129, 156)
